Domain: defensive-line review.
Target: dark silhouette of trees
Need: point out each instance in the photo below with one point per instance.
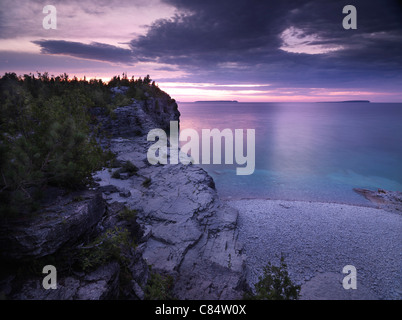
(47, 135)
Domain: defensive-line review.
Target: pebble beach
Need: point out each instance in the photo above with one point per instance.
(318, 239)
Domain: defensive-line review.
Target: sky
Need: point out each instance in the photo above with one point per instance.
(245, 50)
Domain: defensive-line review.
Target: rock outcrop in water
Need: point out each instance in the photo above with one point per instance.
(181, 227)
(387, 200)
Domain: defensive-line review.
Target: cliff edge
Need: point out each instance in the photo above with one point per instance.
(189, 233)
(137, 220)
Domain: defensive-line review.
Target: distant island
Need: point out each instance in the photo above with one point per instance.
(347, 101)
(217, 101)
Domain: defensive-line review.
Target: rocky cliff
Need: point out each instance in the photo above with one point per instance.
(172, 212)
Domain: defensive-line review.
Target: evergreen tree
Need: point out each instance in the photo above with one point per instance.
(45, 136)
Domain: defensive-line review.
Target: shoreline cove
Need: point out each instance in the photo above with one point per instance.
(368, 205)
(312, 151)
(214, 248)
(318, 239)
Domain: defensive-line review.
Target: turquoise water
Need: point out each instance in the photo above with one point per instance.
(307, 151)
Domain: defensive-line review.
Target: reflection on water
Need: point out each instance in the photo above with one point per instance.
(308, 151)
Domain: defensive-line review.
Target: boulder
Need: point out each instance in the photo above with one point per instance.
(101, 284)
(63, 221)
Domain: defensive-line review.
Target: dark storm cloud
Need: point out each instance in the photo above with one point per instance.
(229, 41)
(92, 51)
(220, 40)
(213, 31)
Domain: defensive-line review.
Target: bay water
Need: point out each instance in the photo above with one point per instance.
(307, 151)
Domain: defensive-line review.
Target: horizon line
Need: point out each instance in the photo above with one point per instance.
(226, 101)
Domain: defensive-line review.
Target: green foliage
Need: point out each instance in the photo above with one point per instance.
(275, 284)
(128, 167)
(137, 88)
(111, 245)
(159, 287)
(128, 214)
(46, 137)
(121, 100)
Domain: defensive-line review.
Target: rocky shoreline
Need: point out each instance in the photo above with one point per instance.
(189, 233)
(181, 227)
(318, 239)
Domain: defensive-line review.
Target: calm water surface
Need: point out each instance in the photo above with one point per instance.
(308, 151)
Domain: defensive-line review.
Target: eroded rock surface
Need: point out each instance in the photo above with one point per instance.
(189, 232)
(62, 221)
(181, 227)
(387, 200)
(101, 284)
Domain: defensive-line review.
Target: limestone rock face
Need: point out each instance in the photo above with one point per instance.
(71, 224)
(137, 118)
(181, 226)
(101, 284)
(189, 232)
(62, 222)
(162, 111)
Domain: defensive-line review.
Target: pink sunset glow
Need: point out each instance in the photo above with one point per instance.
(197, 53)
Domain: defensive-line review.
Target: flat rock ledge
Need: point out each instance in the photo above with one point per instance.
(56, 236)
(181, 227)
(189, 232)
(61, 222)
(101, 284)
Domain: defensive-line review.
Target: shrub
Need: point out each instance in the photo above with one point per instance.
(45, 138)
(275, 284)
(108, 246)
(128, 214)
(121, 100)
(128, 167)
(159, 287)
